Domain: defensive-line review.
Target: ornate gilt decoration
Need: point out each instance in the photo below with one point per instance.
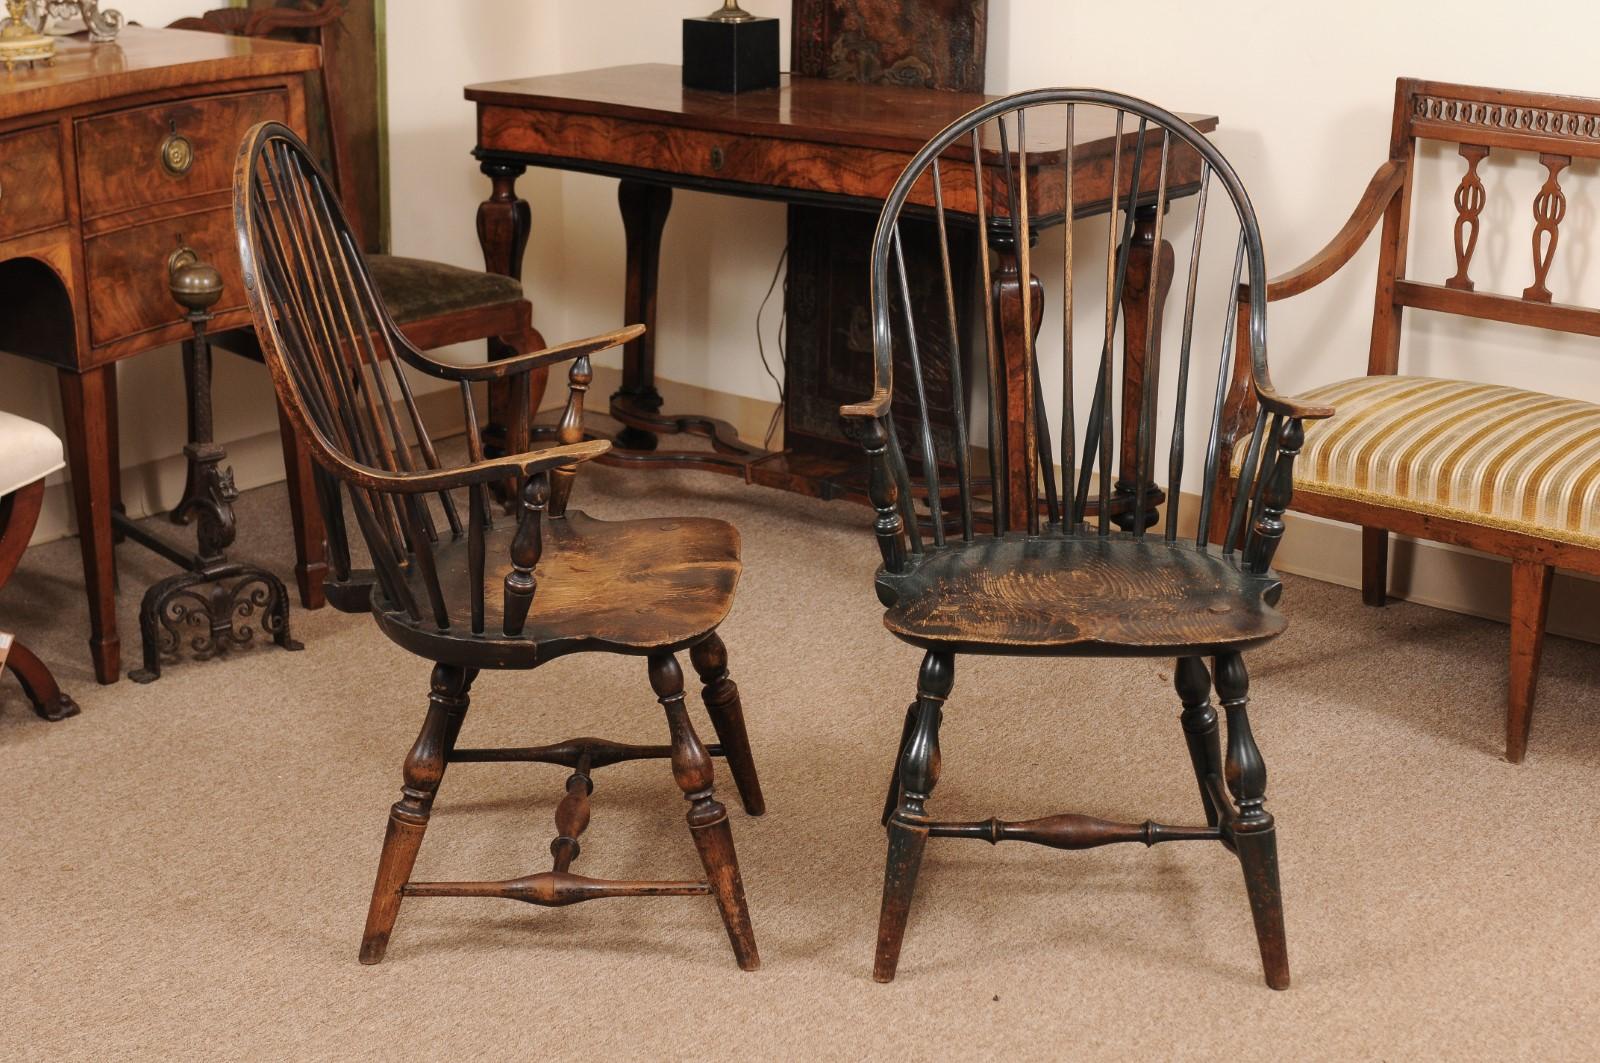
(1549, 208)
(1470, 198)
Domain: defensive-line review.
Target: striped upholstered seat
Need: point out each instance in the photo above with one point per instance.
(1491, 455)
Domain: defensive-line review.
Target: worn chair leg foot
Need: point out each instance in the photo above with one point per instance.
(49, 703)
(721, 697)
(708, 819)
(408, 819)
(908, 835)
(1258, 856)
(1374, 566)
(1254, 835)
(1530, 606)
(906, 844)
(892, 799)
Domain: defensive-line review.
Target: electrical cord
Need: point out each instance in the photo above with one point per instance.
(783, 356)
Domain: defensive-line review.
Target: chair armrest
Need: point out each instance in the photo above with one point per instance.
(488, 470)
(1381, 190)
(1290, 407)
(870, 410)
(505, 368)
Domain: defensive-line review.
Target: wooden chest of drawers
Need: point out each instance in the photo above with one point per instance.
(111, 159)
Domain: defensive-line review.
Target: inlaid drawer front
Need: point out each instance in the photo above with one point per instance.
(155, 154)
(127, 272)
(32, 193)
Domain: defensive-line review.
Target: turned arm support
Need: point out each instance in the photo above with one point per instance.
(1271, 491)
(570, 432)
(882, 489)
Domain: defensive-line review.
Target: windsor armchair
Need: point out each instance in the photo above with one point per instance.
(567, 583)
(1511, 472)
(436, 304)
(954, 582)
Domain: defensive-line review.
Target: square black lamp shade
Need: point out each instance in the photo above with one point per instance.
(725, 55)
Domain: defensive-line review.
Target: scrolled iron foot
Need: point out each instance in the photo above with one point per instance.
(175, 612)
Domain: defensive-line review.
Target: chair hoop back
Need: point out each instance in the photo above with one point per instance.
(1009, 169)
(335, 357)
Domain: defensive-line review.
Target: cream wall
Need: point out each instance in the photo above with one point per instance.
(1304, 93)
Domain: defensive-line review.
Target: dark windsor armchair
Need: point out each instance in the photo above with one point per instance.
(954, 582)
(564, 582)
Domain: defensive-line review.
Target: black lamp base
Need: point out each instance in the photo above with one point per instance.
(730, 56)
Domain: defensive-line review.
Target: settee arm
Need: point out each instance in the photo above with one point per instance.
(1386, 183)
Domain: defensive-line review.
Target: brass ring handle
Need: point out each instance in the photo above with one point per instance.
(183, 256)
(177, 152)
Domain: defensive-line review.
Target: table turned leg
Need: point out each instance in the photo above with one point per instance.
(84, 405)
(504, 222)
(1007, 281)
(114, 445)
(644, 210)
(1141, 330)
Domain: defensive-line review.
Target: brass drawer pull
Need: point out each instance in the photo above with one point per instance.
(177, 152)
(718, 159)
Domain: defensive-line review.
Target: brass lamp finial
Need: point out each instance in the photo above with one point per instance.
(730, 12)
(195, 285)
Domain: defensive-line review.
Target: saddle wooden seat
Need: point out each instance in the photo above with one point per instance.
(634, 587)
(1099, 597)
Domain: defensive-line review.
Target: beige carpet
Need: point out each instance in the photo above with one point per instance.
(185, 868)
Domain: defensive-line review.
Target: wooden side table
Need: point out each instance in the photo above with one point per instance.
(112, 159)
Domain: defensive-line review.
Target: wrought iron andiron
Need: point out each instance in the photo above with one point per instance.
(179, 608)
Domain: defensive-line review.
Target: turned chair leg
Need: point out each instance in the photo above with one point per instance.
(1530, 606)
(408, 819)
(1374, 566)
(891, 800)
(908, 832)
(721, 698)
(1255, 838)
(1199, 720)
(708, 819)
(49, 703)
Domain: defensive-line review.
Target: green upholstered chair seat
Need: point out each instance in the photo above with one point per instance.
(416, 290)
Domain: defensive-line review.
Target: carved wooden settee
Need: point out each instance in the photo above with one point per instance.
(1511, 472)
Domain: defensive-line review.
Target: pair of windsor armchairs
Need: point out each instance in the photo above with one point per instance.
(953, 579)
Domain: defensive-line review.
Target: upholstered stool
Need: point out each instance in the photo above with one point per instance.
(28, 453)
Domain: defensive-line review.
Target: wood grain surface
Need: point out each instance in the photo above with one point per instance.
(119, 154)
(1092, 596)
(33, 193)
(144, 60)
